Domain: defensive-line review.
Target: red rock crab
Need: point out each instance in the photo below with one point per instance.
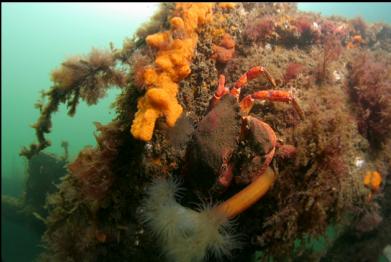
(210, 166)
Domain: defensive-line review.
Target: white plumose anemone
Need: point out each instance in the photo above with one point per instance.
(185, 234)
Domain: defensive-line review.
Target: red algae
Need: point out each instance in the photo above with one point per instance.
(369, 86)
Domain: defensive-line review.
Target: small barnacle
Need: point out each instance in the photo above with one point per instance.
(268, 46)
(359, 162)
(137, 242)
(148, 147)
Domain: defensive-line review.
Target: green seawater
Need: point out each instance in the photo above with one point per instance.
(371, 12)
(36, 38)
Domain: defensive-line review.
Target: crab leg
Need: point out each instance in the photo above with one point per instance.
(249, 75)
(221, 91)
(271, 95)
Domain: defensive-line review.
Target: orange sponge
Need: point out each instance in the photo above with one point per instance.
(172, 64)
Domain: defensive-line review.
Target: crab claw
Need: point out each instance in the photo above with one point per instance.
(262, 138)
(224, 179)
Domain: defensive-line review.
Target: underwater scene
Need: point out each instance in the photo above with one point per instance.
(196, 132)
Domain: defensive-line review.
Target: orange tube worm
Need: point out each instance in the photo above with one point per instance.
(248, 196)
